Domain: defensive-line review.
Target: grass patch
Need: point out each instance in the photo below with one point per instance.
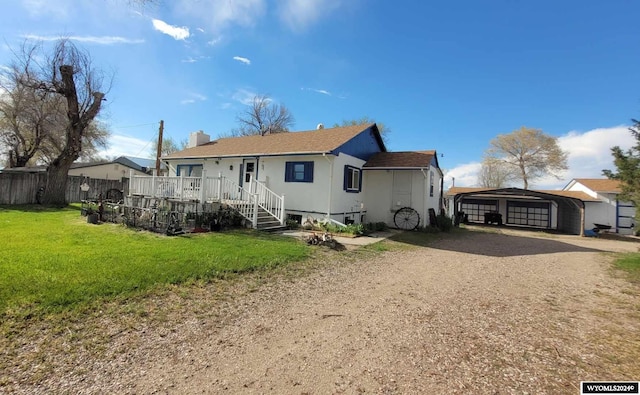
(630, 264)
(53, 260)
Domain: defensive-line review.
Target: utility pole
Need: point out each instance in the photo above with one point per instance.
(159, 152)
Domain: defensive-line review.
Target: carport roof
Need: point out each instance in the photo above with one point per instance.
(513, 192)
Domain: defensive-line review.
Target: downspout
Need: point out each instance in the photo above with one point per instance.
(426, 196)
(441, 192)
(324, 155)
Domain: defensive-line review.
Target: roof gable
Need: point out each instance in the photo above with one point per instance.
(306, 142)
(600, 184)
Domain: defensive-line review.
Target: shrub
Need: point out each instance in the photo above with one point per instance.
(375, 227)
(444, 222)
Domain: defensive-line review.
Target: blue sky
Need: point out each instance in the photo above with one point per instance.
(447, 75)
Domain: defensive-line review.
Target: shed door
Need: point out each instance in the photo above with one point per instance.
(401, 194)
(626, 214)
(529, 213)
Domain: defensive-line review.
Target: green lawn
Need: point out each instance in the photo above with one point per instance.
(52, 259)
(630, 263)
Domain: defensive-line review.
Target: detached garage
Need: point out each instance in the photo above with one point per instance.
(555, 210)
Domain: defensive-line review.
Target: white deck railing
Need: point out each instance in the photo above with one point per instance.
(211, 189)
(270, 201)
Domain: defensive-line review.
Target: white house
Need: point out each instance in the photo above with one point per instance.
(607, 209)
(342, 173)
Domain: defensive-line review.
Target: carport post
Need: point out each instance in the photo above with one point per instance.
(582, 219)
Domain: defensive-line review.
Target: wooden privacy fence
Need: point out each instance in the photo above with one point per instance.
(22, 188)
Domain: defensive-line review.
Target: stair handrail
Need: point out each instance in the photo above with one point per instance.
(270, 201)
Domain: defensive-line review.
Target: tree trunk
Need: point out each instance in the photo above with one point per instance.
(56, 189)
(59, 168)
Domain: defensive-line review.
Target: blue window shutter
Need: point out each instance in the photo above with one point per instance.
(360, 181)
(345, 184)
(288, 172)
(308, 172)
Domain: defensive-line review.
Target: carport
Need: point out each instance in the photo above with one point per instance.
(558, 210)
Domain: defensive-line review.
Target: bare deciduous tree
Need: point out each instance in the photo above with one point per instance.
(494, 174)
(263, 117)
(528, 154)
(382, 128)
(169, 146)
(67, 73)
(27, 118)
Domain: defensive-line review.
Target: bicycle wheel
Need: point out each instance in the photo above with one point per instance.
(406, 218)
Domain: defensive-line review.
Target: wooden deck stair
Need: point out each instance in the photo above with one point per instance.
(266, 221)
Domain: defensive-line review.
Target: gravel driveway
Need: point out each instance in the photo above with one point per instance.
(482, 313)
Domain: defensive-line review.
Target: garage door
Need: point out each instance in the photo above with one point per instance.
(475, 208)
(529, 214)
(626, 220)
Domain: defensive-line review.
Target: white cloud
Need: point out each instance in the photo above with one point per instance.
(177, 32)
(299, 14)
(189, 60)
(120, 144)
(220, 14)
(103, 40)
(243, 60)
(321, 91)
(193, 97)
(588, 154)
(465, 175)
(52, 9)
(214, 41)
(244, 96)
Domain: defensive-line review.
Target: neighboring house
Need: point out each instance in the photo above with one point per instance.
(116, 169)
(608, 210)
(342, 173)
(557, 210)
(113, 170)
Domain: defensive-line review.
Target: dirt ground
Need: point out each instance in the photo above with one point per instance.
(482, 313)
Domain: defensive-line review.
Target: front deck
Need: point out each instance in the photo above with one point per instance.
(258, 204)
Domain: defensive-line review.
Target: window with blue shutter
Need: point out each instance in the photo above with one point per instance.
(352, 179)
(298, 172)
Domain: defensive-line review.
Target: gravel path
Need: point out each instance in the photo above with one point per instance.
(504, 312)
